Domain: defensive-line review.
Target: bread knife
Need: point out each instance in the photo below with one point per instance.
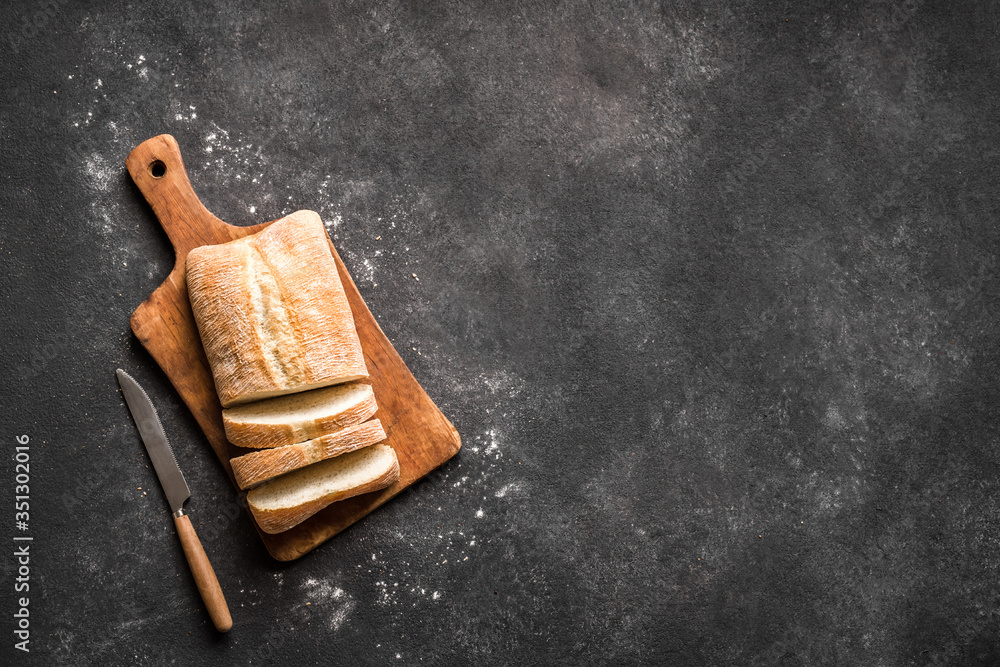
(177, 492)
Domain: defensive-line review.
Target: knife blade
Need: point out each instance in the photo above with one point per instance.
(153, 436)
(177, 492)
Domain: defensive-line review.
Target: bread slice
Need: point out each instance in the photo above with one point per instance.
(290, 499)
(256, 467)
(286, 420)
(272, 312)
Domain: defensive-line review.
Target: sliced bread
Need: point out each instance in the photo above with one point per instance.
(286, 420)
(256, 467)
(287, 501)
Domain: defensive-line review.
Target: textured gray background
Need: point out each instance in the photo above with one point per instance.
(709, 290)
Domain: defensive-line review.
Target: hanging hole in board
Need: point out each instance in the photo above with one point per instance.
(158, 169)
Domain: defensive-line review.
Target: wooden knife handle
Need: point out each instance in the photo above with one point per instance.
(204, 575)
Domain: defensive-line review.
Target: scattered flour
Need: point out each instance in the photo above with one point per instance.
(512, 488)
(330, 601)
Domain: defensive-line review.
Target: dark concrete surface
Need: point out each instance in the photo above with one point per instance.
(709, 290)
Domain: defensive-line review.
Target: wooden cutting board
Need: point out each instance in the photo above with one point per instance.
(422, 437)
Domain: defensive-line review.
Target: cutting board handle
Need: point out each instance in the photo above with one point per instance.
(158, 170)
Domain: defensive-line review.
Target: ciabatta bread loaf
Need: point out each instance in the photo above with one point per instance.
(256, 467)
(272, 312)
(286, 420)
(289, 500)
